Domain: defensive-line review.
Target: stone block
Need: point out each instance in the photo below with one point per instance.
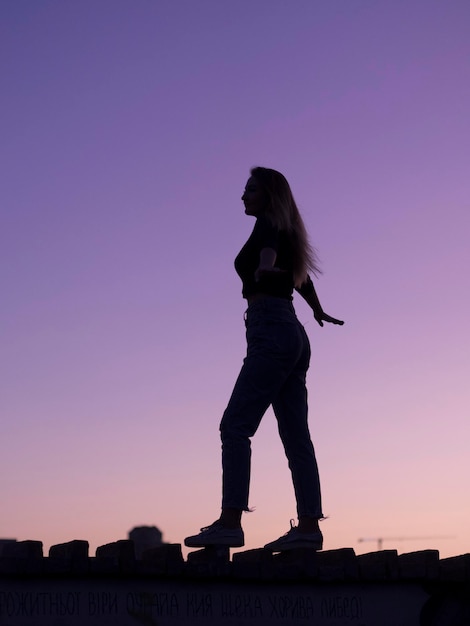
(23, 550)
(22, 557)
(210, 561)
(165, 559)
(119, 555)
(254, 564)
(70, 557)
(4, 542)
(336, 565)
(296, 564)
(72, 550)
(381, 565)
(455, 568)
(421, 565)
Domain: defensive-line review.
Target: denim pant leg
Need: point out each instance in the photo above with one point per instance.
(291, 411)
(274, 348)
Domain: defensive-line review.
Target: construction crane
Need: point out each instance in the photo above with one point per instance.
(380, 540)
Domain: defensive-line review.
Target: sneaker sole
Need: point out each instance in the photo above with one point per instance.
(205, 542)
(292, 546)
(193, 544)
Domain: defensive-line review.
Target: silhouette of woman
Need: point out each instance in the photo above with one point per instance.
(274, 261)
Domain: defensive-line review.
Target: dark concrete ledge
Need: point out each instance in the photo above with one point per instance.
(252, 588)
(26, 558)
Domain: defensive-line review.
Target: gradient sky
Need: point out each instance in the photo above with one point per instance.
(128, 131)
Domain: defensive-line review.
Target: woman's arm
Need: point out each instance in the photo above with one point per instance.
(267, 258)
(308, 293)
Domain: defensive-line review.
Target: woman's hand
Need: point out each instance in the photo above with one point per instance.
(321, 317)
(267, 258)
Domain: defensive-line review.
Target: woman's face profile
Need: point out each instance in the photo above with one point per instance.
(254, 197)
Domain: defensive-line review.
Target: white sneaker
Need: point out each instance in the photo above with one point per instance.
(295, 539)
(216, 535)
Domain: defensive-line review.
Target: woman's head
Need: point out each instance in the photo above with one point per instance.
(279, 203)
(271, 196)
(254, 197)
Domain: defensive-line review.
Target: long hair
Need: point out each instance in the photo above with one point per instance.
(283, 214)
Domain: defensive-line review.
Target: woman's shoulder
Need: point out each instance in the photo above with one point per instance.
(267, 235)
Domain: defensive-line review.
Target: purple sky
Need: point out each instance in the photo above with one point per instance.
(128, 131)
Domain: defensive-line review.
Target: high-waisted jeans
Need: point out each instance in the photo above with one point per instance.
(273, 373)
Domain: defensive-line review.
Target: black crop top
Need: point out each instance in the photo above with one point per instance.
(280, 285)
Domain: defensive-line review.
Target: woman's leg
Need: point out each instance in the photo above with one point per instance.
(256, 387)
(291, 410)
(274, 349)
